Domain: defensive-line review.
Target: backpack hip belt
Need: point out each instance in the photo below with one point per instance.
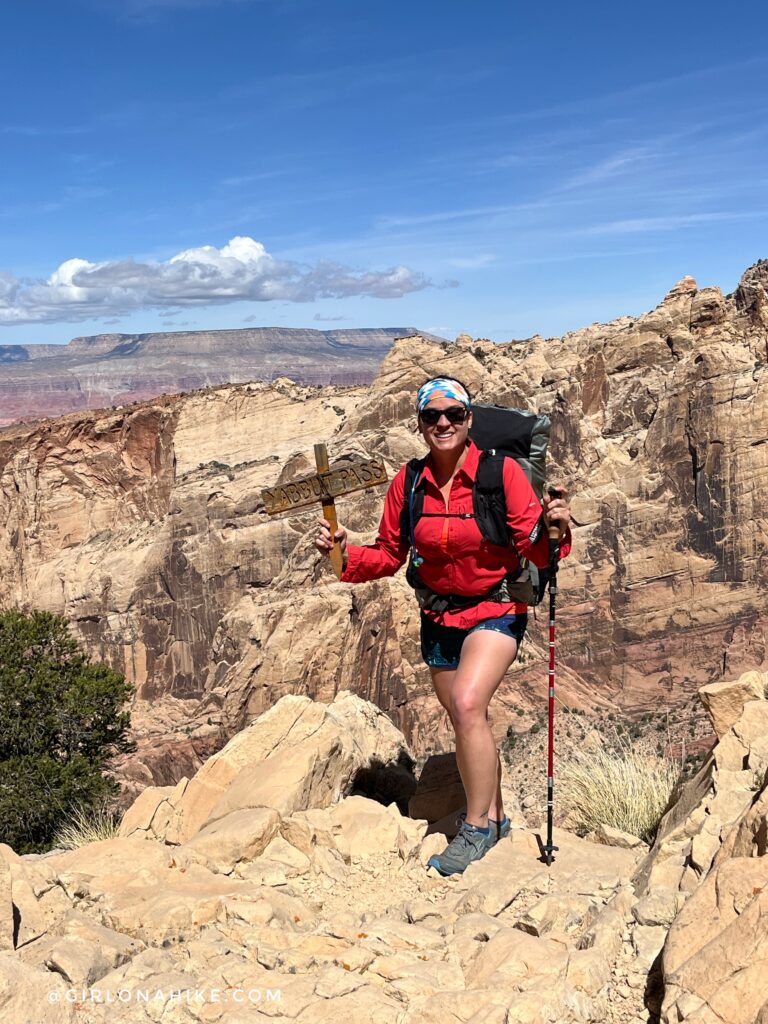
(512, 588)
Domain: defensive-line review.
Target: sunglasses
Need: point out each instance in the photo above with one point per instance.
(454, 414)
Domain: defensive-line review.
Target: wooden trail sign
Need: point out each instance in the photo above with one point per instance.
(324, 486)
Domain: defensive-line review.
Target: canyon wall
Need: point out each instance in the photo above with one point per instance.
(145, 527)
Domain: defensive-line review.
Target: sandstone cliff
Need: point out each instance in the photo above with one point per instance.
(145, 527)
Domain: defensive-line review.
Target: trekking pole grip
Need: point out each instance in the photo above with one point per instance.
(555, 531)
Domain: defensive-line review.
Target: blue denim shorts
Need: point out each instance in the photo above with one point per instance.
(441, 645)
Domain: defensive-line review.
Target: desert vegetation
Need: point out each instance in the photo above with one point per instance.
(63, 720)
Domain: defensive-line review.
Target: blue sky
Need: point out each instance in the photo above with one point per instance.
(496, 168)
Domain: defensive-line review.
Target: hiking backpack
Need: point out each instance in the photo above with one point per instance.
(500, 434)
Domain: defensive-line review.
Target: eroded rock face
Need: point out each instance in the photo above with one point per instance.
(145, 527)
(706, 877)
(716, 955)
(700, 829)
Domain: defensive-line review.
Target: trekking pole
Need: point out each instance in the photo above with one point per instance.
(549, 848)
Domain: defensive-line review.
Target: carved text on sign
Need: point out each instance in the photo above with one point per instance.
(333, 483)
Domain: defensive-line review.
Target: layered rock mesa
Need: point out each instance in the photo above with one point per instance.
(145, 527)
(114, 369)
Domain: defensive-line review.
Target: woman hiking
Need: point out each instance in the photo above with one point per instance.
(468, 649)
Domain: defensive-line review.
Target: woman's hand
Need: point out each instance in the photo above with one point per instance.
(323, 541)
(556, 512)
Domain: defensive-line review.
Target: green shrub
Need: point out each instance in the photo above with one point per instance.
(61, 725)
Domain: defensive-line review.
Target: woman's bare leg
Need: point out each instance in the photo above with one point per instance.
(443, 682)
(485, 657)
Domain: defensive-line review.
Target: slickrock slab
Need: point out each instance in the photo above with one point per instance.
(27, 994)
(716, 956)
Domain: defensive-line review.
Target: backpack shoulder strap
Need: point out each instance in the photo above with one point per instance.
(489, 499)
(412, 470)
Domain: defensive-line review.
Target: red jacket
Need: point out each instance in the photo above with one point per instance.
(457, 559)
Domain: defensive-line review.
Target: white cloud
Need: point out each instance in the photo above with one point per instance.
(242, 270)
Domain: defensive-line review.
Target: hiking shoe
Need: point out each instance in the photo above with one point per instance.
(499, 829)
(470, 844)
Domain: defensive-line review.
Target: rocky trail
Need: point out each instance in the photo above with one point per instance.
(267, 885)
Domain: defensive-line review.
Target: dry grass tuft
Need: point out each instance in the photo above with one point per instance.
(622, 788)
(88, 825)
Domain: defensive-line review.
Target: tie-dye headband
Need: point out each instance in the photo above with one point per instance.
(441, 387)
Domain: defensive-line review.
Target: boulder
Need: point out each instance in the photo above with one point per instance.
(364, 828)
(749, 836)
(150, 813)
(298, 754)
(29, 994)
(725, 701)
(659, 907)
(239, 837)
(588, 971)
(511, 958)
(563, 914)
(23, 919)
(609, 836)
(6, 904)
(716, 954)
(647, 942)
(710, 807)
